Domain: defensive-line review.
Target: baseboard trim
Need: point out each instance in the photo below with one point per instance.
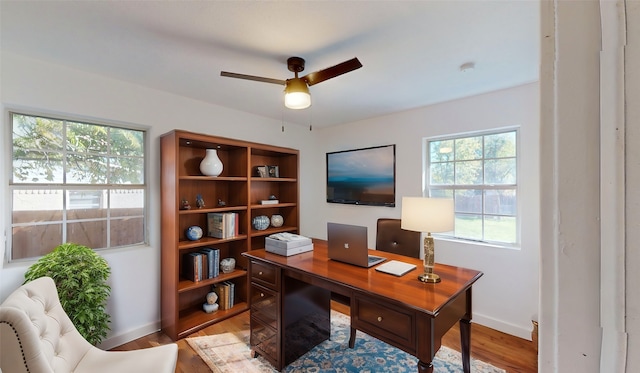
(118, 340)
(505, 327)
(508, 328)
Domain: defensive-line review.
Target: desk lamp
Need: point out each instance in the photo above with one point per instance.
(428, 215)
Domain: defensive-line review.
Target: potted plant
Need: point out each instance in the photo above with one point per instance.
(81, 279)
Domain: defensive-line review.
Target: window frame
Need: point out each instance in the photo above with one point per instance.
(65, 187)
(428, 187)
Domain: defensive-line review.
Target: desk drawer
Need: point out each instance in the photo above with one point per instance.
(264, 341)
(264, 305)
(265, 274)
(391, 324)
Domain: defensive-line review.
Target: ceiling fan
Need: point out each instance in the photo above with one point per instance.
(297, 89)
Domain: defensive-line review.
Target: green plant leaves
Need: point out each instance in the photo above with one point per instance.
(81, 280)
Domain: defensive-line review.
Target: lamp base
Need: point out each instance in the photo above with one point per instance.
(428, 276)
(431, 278)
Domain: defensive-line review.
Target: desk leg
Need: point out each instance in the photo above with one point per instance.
(425, 367)
(465, 343)
(352, 337)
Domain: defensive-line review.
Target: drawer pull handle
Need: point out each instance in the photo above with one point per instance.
(261, 295)
(260, 273)
(379, 318)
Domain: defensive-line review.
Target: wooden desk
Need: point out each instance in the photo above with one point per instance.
(291, 295)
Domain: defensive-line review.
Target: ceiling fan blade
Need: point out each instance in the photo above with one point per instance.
(332, 72)
(252, 77)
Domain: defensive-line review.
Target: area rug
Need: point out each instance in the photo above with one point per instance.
(230, 353)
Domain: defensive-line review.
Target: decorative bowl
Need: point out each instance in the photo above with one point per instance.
(277, 220)
(193, 233)
(227, 265)
(260, 222)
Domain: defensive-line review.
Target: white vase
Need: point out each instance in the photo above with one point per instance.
(211, 164)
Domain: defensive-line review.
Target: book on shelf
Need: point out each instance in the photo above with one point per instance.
(231, 224)
(225, 294)
(201, 265)
(204, 267)
(192, 266)
(214, 224)
(233, 293)
(218, 290)
(222, 224)
(216, 262)
(197, 260)
(212, 256)
(231, 287)
(269, 202)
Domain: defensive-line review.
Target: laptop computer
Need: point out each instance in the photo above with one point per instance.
(348, 243)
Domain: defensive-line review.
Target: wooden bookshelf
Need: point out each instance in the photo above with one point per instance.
(242, 189)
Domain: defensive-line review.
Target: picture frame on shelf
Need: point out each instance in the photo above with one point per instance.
(273, 171)
(262, 171)
(268, 171)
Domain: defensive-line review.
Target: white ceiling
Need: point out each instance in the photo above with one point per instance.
(411, 50)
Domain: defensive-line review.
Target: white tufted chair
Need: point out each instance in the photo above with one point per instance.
(37, 336)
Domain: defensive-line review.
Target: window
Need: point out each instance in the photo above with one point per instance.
(75, 182)
(480, 173)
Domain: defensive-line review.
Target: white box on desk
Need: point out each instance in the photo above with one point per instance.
(290, 251)
(295, 241)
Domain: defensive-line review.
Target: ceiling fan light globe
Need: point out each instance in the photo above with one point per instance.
(296, 94)
(297, 100)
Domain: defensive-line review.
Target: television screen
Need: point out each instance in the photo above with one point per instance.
(362, 176)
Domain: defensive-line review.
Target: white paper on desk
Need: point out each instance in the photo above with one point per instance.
(285, 236)
(395, 267)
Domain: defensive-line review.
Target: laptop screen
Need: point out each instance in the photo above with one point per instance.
(348, 243)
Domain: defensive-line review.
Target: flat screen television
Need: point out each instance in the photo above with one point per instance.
(364, 176)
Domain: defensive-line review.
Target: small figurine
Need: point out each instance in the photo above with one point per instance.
(211, 305)
(221, 203)
(212, 298)
(273, 197)
(185, 205)
(199, 201)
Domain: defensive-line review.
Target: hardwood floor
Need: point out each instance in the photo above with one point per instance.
(502, 350)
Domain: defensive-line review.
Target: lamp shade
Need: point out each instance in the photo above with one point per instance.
(296, 94)
(427, 214)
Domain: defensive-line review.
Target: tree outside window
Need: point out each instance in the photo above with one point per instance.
(480, 173)
(75, 182)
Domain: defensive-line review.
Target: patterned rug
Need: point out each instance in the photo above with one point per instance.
(230, 353)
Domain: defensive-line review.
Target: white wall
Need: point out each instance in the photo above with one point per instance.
(134, 304)
(506, 297)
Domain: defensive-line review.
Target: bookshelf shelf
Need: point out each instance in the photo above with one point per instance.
(241, 190)
(214, 178)
(187, 285)
(277, 205)
(194, 319)
(274, 179)
(215, 209)
(269, 231)
(208, 241)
